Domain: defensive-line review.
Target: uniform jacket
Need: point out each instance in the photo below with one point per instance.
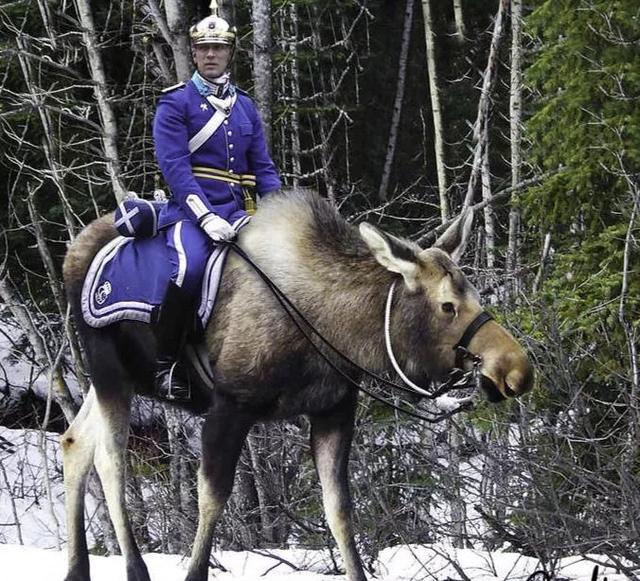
(237, 146)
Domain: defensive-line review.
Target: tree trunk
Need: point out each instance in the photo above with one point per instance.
(107, 115)
(515, 122)
(456, 502)
(436, 110)
(459, 18)
(225, 10)
(489, 222)
(51, 151)
(484, 105)
(632, 444)
(544, 257)
(262, 45)
(259, 477)
(397, 105)
(182, 474)
(296, 167)
(57, 292)
(178, 40)
(324, 145)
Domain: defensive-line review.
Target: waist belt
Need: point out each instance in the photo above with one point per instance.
(245, 180)
(212, 173)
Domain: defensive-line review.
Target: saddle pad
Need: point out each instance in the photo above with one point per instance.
(128, 277)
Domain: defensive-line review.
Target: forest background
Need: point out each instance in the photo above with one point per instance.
(403, 113)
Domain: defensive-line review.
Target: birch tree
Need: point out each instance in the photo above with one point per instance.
(489, 222)
(101, 91)
(480, 127)
(397, 105)
(262, 48)
(173, 28)
(515, 125)
(459, 20)
(436, 110)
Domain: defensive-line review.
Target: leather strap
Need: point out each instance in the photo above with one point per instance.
(461, 346)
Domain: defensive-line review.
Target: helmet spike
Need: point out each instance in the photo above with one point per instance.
(213, 6)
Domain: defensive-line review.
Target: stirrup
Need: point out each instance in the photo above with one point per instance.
(180, 391)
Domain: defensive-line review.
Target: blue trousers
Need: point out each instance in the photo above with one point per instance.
(189, 248)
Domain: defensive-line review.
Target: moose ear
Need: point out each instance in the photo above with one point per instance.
(454, 239)
(392, 253)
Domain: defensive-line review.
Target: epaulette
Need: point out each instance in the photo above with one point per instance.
(242, 92)
(173, 88)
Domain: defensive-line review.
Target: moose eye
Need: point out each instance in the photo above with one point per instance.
(448, 308)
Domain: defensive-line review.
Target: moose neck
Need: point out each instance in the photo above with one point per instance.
(351, 313)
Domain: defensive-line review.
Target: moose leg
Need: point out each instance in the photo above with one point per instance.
(223, 435)
(331, 436)
(78, 444)
(113, 433)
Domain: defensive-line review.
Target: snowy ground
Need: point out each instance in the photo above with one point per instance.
(415, 563)
(32, 536)
(32, 526)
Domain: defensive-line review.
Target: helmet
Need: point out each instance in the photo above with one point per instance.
(213, 29)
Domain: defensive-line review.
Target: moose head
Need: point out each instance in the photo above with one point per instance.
(435, 288)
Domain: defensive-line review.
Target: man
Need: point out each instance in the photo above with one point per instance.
(210, 148)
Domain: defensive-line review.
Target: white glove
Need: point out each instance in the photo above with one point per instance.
(217, 228)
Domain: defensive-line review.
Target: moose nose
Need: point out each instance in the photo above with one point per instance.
(519, 380)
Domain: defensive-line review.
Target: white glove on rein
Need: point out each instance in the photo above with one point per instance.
(217, 228)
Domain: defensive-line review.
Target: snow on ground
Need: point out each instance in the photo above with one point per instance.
(32, 529)
(31, 498)
(404, 563)
(27, 516)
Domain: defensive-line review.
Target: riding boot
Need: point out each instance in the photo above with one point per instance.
(171, 327)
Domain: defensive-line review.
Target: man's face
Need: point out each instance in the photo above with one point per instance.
(212, 59)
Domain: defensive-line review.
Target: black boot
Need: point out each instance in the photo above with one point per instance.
(171, 327)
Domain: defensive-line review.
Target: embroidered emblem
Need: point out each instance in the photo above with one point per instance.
(103, 292)
(203, 106)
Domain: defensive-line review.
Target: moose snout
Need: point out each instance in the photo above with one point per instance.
(508, 376)
(519, 380)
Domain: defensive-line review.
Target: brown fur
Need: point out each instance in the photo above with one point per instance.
(85, 246)
(264, 367)
(322, 264)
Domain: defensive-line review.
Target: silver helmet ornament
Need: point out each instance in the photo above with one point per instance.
(213, 29)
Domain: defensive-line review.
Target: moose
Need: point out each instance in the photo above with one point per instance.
(264, 368)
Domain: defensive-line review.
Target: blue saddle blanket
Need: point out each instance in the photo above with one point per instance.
(128, 278)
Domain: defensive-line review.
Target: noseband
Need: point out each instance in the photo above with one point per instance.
(461, 347)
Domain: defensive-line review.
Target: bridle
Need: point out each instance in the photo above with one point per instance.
(457, 379)
(461, 347)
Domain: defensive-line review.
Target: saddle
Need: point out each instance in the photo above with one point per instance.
(128, 278)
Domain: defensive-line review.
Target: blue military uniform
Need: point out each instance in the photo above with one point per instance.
(211, 178)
